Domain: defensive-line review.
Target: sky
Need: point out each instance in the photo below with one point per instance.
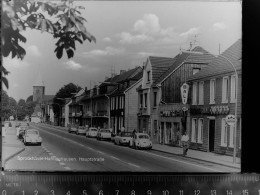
(127, 32)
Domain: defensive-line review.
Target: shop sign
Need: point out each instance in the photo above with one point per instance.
(184, 92)
(219, 110)
(171, 113)
(231, 119)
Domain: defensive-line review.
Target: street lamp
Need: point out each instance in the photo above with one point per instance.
(235, 125)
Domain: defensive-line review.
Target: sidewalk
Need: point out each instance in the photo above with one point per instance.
(200, 155)
(193, 154)
(11, 146)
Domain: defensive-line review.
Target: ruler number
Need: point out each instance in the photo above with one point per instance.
(229, 192)
(100, 192)
(165, 192)
(245, 192)
(149, 192)
(4, 192)
(196, 192)
(181, 192)
(85, 192)
(213, 192)
(52, 192)
(35, 192)
(117, 192)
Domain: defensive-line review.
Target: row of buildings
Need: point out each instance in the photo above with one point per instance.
(149, 99)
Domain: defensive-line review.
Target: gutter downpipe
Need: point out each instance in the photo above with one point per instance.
(108, 110)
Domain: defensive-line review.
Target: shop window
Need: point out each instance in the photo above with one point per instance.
(194, 93)
(141, 100)
(225, 90)
(193, 130)
(212, 91)
(200, 130)
(233, 89)
(224, 127)
(145, 100)
(201, 93)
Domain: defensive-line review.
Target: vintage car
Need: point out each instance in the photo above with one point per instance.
(81, 130)
(104, 134)
(32, 136)
(21, 131)
(72, 128)
(91, 132)
(140, 141)
(123, 138)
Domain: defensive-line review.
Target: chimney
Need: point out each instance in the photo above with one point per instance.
(122, 71)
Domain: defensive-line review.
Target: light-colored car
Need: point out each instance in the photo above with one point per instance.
(21, 131)
(81, 130)
(91, 132)
(72, 128)
(141, 141)
(104, 134)
(32, 136)
(123, 138)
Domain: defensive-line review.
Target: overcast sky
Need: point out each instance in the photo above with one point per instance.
(127, 32)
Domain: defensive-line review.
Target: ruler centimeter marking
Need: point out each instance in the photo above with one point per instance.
(68, 184)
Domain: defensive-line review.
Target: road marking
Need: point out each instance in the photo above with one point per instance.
(115, 157)
(133, 165)
(180, 161)
(100, 152)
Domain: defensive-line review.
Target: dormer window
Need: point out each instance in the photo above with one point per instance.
(195, 70)
(148, 76)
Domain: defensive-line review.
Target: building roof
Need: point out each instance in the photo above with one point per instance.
(202, 57)
(159, 65)
(220, 65)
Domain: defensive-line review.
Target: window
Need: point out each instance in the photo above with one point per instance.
(224, 127)
(212, 91)
(231, 135)
(193, 130)
(194, 93)
(233, 89)
(225, 90)
(201, 93)
(155, 99)
(148, 76)
(195, 70)
(200, 130)
(141, 100)
(145, 100)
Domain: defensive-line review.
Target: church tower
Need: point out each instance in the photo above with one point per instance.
(38, 90)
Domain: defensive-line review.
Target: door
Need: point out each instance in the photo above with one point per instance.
(211, 135)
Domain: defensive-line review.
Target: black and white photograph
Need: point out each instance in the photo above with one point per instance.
(121, 86)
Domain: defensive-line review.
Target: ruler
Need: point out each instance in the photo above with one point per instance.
(22, 183)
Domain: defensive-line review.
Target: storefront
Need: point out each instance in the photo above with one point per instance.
(172, 123)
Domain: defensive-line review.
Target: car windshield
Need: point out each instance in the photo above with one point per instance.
(105, 131)
(81, 127)
(33, 132)
(126, 134)
(93, 129)
(143, 136)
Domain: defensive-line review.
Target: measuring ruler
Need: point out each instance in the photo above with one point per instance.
(21, 183)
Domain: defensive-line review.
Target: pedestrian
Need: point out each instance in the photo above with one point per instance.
(185, 143)
(134, 132)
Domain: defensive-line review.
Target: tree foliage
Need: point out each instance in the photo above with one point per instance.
(67, 91)
(61, 19)
(8, 107)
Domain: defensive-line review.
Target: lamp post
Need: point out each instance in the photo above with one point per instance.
(235, 125)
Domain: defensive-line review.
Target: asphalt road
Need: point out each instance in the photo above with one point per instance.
(63, 151)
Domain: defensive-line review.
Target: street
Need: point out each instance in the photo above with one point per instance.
(63, 151)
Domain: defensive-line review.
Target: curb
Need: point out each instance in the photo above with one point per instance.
(197, 159)
(19, 151)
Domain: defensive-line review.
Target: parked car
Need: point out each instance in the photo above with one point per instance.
(123, 138)
(104, 134)
(21, 131)
(72, 128)
(91, 132)
(32, 136)
(140, 141)
(81, 130)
